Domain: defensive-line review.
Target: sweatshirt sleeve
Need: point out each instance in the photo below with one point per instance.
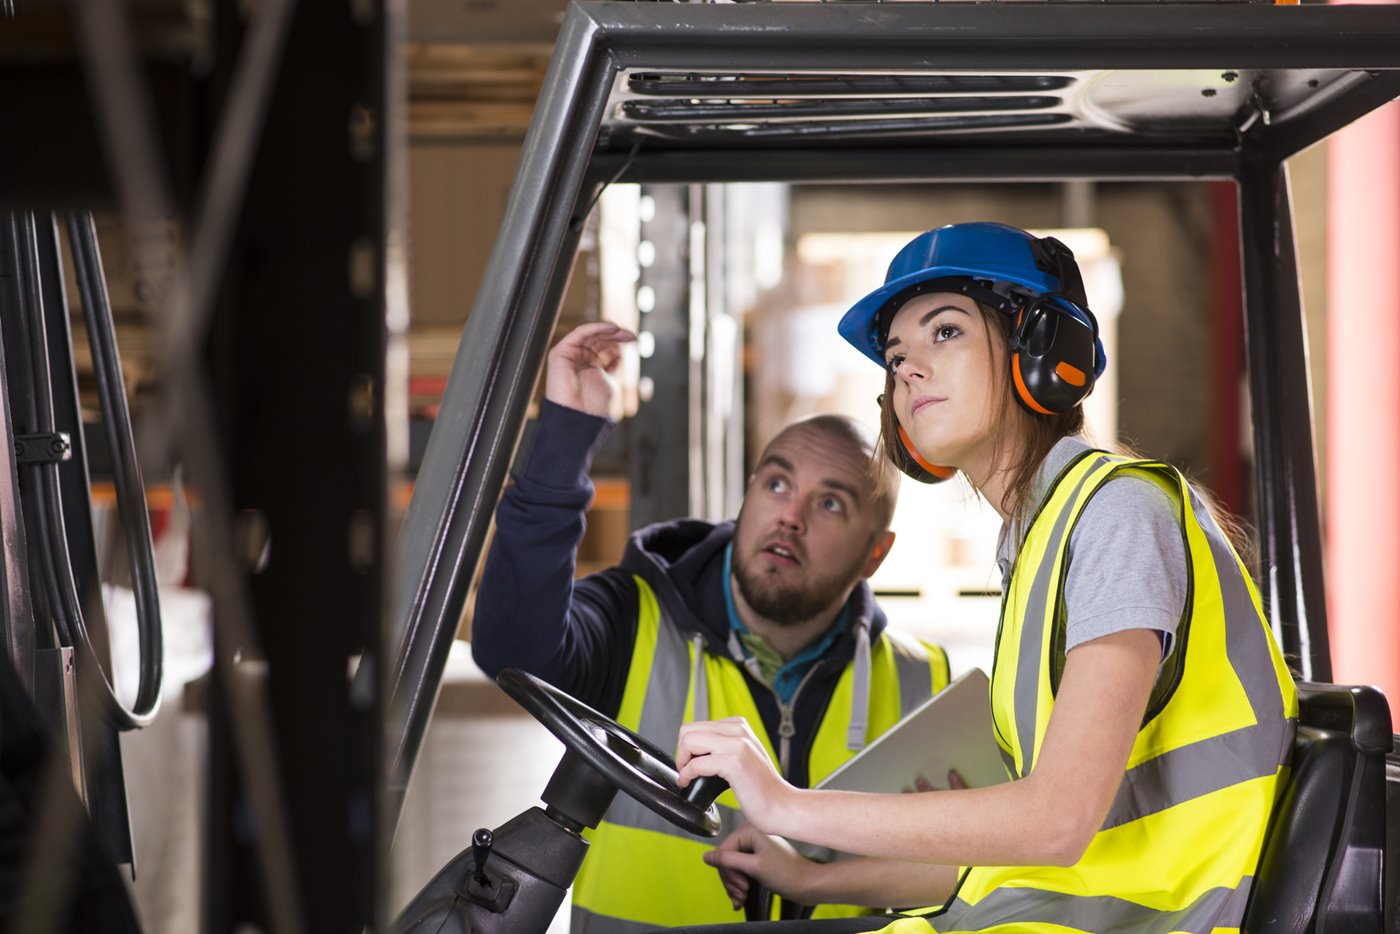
(530, 613)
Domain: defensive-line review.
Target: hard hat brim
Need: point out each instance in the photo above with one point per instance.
(860, 324)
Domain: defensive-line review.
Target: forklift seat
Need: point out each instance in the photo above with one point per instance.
(1321, 868)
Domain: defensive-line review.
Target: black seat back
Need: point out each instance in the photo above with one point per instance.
(1322, 863)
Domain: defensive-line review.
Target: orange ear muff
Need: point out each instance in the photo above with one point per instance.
(910, 462)
(1022, 391)
(908, 459)
(1053, 356)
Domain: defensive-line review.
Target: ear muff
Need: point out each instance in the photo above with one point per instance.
(908, 459)
(1053, 355)
(1055, 351)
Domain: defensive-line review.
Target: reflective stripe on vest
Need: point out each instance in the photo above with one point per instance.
(642, 871)
(1098, 913)
(1183, 836)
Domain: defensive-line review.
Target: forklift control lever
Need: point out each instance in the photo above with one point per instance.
(481, 851)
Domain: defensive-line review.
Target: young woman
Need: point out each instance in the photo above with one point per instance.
(1141, 705)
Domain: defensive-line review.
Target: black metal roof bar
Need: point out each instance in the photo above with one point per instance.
(920, 164)
(873, 131)
(1292, 136)
(664, 84)
(666, 111)
(989, 36)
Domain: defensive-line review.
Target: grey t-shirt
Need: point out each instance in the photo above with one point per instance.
(1127, 559)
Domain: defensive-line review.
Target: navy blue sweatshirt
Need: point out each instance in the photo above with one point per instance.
(579, 635)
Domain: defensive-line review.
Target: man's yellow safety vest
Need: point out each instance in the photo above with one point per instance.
(1179, 848)
(641, 871)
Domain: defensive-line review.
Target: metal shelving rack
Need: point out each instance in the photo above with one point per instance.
(270, 134)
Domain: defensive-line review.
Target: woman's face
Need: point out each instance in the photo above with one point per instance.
(949, 379)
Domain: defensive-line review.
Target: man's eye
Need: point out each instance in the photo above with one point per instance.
(833, 504)
(777, 484)
(893, 363)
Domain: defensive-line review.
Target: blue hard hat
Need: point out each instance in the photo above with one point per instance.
(1006, 265)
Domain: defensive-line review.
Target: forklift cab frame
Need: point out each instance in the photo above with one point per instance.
(951, 92)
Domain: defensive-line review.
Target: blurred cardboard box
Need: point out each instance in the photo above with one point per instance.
(485, 20)
(607, 526)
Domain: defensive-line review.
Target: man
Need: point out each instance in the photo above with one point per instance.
(768, 617)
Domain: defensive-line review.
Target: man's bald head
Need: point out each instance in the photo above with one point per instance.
(861, 443)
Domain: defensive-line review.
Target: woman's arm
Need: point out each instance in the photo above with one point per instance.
(1047, 818)
(749, 854)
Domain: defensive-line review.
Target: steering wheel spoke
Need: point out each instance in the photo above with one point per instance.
(602, 757)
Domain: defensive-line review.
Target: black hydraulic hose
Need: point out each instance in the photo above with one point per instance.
(52, 561)
(20, 395)
(126, 474)
(39, 488)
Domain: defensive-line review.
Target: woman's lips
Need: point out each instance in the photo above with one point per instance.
(924, 402)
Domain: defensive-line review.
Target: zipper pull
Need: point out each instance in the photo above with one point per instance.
(786, 728)
(786, 731)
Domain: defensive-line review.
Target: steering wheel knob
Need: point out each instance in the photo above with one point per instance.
(704, 790)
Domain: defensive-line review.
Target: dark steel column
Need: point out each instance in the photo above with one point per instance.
(660, 435)
(297, 354)
(1291, 579)
(20, 639)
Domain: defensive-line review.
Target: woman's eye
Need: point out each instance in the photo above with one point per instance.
(893, 363)
(945, 332)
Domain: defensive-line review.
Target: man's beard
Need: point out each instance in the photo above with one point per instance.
(788, 606)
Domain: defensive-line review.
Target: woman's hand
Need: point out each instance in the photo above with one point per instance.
(749, 854)
(728, 748)
(921, 783)
(580, 371)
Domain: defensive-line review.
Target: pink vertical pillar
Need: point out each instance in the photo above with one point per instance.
(1363, 407)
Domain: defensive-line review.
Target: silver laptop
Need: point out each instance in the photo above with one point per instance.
(950, 730)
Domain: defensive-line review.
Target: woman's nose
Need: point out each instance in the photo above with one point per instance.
(910, 368)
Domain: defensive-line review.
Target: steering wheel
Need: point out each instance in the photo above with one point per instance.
(628, 761)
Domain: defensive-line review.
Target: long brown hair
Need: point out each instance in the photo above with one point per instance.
(1016, 432)
(1038, 434)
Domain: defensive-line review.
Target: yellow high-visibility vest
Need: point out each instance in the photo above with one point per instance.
(1179, 848)
(643, 872)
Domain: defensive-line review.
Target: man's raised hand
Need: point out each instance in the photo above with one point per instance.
(581, 370)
